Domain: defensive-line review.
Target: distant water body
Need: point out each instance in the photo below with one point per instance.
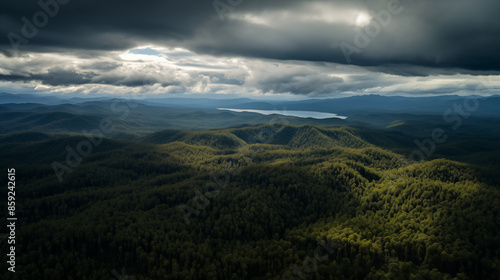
(300, 114)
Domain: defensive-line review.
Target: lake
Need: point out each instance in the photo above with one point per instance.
(300, 114)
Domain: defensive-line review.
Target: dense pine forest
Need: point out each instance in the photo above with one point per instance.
(252, 202)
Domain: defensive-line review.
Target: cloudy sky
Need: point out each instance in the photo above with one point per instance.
(250, 48)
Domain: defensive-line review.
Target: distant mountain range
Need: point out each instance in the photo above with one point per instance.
(390, 104)
(134, 119)
(348, 106)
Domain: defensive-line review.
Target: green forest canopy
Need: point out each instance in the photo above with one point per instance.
(389, 219)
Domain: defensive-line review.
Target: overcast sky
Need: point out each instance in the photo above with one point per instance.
(251, 48)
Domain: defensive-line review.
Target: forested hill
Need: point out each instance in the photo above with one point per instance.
(305, 136)
(250, 202)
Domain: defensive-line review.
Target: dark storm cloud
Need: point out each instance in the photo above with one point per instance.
(105, 25)
(133, 81)
(101, 65)
(57, 77)
(54, 77)
(457, 34)
(301, 81)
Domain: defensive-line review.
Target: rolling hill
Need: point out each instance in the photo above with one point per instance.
(251, 201)
(196, 193)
